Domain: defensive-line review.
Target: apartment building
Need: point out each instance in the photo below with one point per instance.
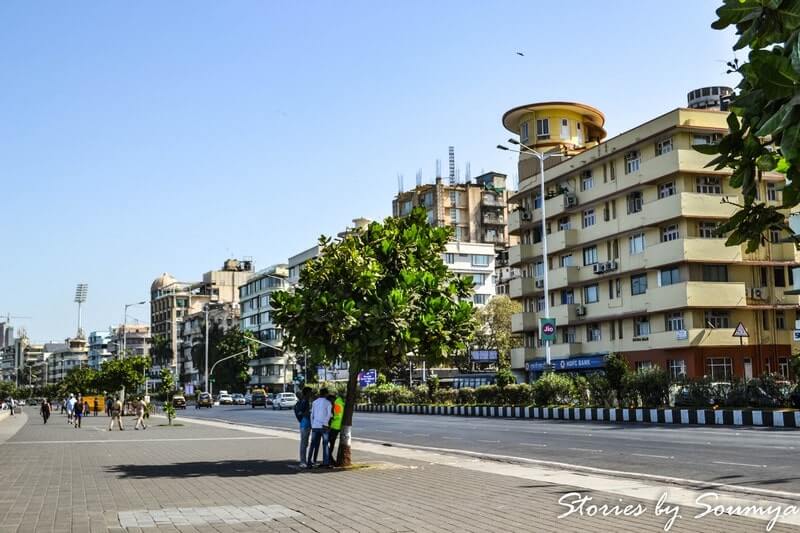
(476, 260)
(98, 348)
(272, 368)
(58, 358)
(477, 211)
(634, 265)
(221, 317)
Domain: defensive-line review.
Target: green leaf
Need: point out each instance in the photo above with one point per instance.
(775, 74)
(707, 149)
(733, 11)
(766, 162)
(790, 144)
(776, 122)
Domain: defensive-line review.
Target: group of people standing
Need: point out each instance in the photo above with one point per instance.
(76, 408)
(321, 420)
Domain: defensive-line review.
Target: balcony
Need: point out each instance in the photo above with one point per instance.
(688, 249)
(522, 253)
(519, 356)
(557, 351)
(558, 241)
(490, 200)
(494, 219)
(563, 277)
(523, 322)
(670, 339)
(554, 207)
(520, 287)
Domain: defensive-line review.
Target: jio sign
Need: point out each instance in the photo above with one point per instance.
(548, 329)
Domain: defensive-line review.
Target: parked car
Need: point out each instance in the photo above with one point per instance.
(284, 400)
(178, 401)
(204, 399)
(259, 398)
(225, 399)
(238, 399)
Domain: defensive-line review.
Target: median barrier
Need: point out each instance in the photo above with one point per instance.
(786, 418)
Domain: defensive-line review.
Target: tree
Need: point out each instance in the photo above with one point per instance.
(127, 373)
(617, 371)
(495, 328)
(161, 351)
(167, 390)
(765, 120)
(79, 380)
(376, 297)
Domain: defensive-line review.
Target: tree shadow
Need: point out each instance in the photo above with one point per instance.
(243, 468)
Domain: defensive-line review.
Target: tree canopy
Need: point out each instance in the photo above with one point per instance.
(495, 328)
(764, 124)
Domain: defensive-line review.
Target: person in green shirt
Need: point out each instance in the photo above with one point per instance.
(336, 424)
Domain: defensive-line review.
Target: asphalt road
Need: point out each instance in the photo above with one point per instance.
(766, 458)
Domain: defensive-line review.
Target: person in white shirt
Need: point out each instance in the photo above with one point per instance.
(320, 424)
(71, 408)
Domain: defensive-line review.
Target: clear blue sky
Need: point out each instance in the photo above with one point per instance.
(143, 137)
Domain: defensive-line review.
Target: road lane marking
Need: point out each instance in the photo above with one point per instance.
(382, 431)
(738, 464)
(533, 444)
(585, 450)
(654, 456)
(123, 441)
(489, 441)
(420, 434)
(452, 438)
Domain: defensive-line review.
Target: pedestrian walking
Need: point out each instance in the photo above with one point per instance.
(63, 405)
(77, 413)
(11, 404)
(44, 410)
(95, 406)
(141, 408)
(116, 414)
(71, 409)
(336, 424)
(320, 420)
(302, 411)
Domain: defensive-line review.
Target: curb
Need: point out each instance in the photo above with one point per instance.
(703, 417)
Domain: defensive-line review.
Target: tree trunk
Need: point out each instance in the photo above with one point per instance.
(344, 457)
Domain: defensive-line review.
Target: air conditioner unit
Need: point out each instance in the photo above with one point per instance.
(599, 268)
(580, 311)
(539, 284)
(526, 215)
(570, 199)
(758, 293)
(611, 265)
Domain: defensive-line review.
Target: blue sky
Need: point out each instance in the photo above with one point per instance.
(143, 137)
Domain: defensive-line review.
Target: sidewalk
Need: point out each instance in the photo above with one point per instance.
(205, 478)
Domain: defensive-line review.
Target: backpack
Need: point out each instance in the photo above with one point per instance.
(301, 409)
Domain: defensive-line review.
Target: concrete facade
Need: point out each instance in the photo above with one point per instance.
(634, 266)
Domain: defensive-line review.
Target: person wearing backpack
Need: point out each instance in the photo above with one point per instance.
(302, 411)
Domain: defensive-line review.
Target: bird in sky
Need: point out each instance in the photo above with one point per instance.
(520, 54)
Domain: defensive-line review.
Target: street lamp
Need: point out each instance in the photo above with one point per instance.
(206, 309)
(247, 351)
(541, 157)
(125, 324)
(284, 355)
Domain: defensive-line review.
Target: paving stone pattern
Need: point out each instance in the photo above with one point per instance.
(192, 478)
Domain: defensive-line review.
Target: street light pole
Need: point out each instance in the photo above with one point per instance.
(545, 266)
(206, 308)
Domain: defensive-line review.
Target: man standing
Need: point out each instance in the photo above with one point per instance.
(78, 413)
(44, 410)
(302, 411)
(71, 408)
(96, 407)
(320, 420)
(141, 407)
(116, 415)
(336, 423)
(11, 404)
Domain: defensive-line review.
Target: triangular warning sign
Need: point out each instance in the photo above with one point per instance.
(740, 331)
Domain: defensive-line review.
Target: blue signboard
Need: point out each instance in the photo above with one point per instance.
(367, 377)
(567, 365)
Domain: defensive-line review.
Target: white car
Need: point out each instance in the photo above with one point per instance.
(284, 400)
(225, 399)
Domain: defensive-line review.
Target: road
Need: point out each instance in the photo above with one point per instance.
(755, 457)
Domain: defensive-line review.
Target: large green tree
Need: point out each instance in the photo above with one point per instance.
(80, 380)
(232, 374)
(127, 373)
(765, 120)
(495, 328)
(376, 297)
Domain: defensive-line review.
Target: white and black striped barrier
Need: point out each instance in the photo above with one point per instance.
(789, 418)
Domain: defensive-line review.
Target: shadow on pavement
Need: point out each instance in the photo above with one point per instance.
(242, 468)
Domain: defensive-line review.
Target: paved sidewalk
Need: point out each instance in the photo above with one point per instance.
(201, 478)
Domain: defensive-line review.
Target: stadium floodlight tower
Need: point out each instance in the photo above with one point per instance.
(80, 298)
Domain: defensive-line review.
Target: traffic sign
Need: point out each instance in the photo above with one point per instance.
(740, 331)
(548, 328)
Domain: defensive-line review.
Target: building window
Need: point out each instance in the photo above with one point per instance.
(663, 146)
(670, 233)
(612, 170)
(780, 320)
(589, 255)
(772, 192)
(565, 260)
(717, 319)
(479, 279)
(523, 132)
(481, 260)
(641, 326)
(780, 276)
(783, 367)
(707, 230)
(591, 294)
(677, 368)
(774, 236)
(588, 218)
(537, 201)
(593, 332)
(719, 368)
(563, 223)
(636, 243)
(666, 189)
(543, 128)
(669, 276)
(479, 299)
(449, 258)
(587, 181)
(634, 202)
(567, 296)
(709, 185)
(641, 366)
(715, 273)
(632, 162)
(639, 284)
(673, 321)
(706, 139)
(538, 269)
(568, 335)
(540, 304)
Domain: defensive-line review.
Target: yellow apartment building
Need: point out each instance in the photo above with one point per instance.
(634, 266)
